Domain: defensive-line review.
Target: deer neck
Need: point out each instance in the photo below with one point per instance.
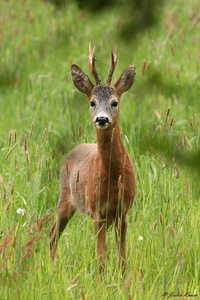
(111, 150)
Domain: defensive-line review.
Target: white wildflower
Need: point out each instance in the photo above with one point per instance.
(21, 211)
(140, 238)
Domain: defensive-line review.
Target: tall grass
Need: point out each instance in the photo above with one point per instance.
(42, 117)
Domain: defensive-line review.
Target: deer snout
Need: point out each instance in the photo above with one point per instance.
(102, 122)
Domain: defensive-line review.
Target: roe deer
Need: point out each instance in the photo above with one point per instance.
(98, 179)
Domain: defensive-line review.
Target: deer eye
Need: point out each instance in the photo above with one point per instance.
(114, 104)
(92, 104)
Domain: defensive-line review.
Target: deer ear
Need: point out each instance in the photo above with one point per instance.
(81, 80)
(126, 80)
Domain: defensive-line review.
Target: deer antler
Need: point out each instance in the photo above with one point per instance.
(92, 64)
(114, 57)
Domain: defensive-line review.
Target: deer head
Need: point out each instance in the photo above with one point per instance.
(103, 99)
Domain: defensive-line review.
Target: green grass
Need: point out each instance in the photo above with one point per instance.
(40, 119)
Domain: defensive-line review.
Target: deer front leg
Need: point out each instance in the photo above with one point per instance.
(65, 213)
(100, 231)
(56, 230)
(120, 234)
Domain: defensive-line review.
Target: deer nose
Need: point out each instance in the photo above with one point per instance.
(102, 121)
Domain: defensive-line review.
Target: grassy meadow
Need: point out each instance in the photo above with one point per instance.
(42, 117)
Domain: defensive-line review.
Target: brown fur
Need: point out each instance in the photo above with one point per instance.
(98, 179)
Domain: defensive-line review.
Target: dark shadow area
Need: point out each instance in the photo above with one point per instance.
(95, 6)
(156, 81)
(57, 3)
(172, 149)
(139, 15)
(91, 5)
(136, 15)
(8, 78)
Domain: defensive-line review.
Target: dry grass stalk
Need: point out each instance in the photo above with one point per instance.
(8, 242)
(181, 32)
(17, 165)
(71, 287)
(72, 136)
(196, 119)
(32, 127)
(15, 136)
(172, 49)
(79, 130)
(37, 152)
(75, 279)
(144, 67)
(161, 218)
(171, 123)
(27, 158)
(191, 124)
(44, 135)
(12, 188)
(170, 31)
(176, 171)
(8, 206)
(187, 184)
(50, 175)
(167, 114)
(148, 67)
(9, 138)
(25, 147)
(83, 294)
(39, 165)
(11, 149)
